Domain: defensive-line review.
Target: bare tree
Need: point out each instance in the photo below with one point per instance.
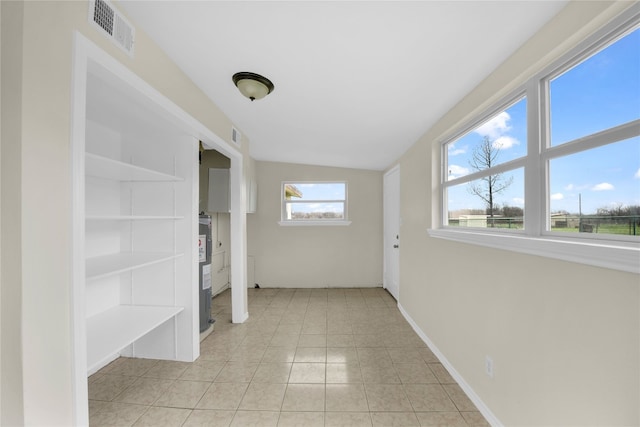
(619, 210)
(487, 188)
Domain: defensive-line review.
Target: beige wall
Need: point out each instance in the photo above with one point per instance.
(39, 283)
(317, 256)
(11, 245)
(564, 337)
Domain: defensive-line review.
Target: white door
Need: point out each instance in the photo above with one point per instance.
(391, 209)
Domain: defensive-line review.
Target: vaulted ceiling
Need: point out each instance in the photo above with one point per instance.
(356, 82)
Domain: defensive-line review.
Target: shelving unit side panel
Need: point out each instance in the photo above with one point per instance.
(187, 292)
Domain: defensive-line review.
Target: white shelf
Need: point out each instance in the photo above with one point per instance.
(108, 265)
(114, 329)
(130, 217)
(103, 167)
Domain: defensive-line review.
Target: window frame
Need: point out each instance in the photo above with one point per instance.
(507, 166)
(605, 250)
(284, 221)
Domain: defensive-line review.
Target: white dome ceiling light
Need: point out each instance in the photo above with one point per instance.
(253, 86)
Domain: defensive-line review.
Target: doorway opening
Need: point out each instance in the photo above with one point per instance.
(215, 221)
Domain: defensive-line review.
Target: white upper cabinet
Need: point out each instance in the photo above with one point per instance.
(218, 197)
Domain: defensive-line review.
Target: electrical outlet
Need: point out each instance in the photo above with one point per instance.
(488, 366)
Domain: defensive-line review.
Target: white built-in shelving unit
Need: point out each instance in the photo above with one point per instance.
(134, 168)
(114, 329)
(140, 233)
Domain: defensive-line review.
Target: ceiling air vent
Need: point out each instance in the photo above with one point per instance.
(112, 24)
(236, 136)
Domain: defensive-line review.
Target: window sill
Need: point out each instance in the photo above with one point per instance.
(614, 255)
(313, 223)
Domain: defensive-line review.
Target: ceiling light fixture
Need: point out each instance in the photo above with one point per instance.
(253, 85)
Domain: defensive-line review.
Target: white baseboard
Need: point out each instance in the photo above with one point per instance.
(315, 286)
(484, 409)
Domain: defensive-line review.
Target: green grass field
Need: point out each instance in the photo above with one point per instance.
(620, 229)
(621, 226)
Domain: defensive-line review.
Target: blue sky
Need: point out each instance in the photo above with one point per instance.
(320, 191)
(600, 93)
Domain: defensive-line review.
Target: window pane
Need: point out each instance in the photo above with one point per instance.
(314, 200)
(316, 190)
(598, 190)
(313, 211)
(498, 140)
(470, 204)
(597, 94)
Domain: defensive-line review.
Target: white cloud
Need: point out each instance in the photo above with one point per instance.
(456, 171)
(603, 186)
(453, 151)
(496, 127)
(557, 196)
(637, 175)
(505, 142)
(518, 201)
(573, 187)
(496, 130)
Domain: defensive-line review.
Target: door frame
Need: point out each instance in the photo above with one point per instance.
(388, 249)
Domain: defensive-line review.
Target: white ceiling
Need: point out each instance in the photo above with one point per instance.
(356, 83)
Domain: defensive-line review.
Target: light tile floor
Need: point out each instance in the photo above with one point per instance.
(305, 357)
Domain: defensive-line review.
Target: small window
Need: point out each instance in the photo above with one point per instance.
(314, 201)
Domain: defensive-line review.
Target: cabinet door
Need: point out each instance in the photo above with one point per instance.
(218, 197)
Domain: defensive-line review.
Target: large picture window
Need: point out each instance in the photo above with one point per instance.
(558, 162)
